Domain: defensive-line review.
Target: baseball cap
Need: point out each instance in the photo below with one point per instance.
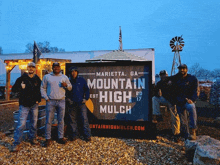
(163, 72)
(182, 66)
(72, 68)
(56, 64)
(31, 64)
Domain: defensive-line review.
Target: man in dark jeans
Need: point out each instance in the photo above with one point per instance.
(28, 88)
(164, 96)
(77, 110)
(186, 88)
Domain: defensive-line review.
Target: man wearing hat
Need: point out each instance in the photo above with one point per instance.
(77, 110)
(53, 89)
(164, 96)
(186, 88)
(28, 89)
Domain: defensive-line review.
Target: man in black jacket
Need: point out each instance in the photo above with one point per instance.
(164, 96)
(28, 88)
(186, 93)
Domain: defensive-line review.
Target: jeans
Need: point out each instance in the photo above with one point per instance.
(51, 107)
(182, 111)
(78, 113)
(175, 120)
(22, 118)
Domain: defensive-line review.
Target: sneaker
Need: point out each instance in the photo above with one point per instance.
(47, 143)
(88, 139)
(61, 141)
(14, 148)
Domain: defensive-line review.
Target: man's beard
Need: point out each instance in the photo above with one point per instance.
(31, 72)
(183, 73)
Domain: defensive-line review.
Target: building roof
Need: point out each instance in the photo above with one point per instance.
(117, 55)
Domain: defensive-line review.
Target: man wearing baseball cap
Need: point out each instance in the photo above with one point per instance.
(77, 110)
(164, 96)
(28, 88)
(186, 88)
(53, 89)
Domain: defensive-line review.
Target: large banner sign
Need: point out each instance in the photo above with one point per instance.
(118, 90)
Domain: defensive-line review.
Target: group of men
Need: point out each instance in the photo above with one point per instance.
(179, 93)
(53, 88)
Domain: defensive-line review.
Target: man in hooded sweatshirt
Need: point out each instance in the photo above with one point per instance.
(77, 110)
(28, 88)
(53, 89)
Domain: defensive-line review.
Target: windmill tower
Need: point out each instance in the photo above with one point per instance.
(176, 44)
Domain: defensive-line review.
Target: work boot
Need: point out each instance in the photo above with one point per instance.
(192, 134)
(61, 141)
(177, 138)
(88, 139)
(72, 138)
(33, 142)
(47, 143)
(159, 118)
(14, 148)
(154, 119)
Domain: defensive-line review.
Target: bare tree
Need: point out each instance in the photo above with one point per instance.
(44, 47)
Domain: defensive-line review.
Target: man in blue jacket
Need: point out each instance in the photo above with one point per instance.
(186, 87)
(77, 109)
(28, 88)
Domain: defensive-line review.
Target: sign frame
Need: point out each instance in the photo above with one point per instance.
(122, 128)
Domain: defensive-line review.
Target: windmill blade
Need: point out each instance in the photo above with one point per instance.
(175, 38)
(178, 38)
(181, 41)
(172, 46)
(171, 41)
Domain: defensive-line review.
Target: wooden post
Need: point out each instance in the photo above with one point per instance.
(8, 80)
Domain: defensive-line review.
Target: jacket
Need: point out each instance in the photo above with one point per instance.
(80, 90)
(185, 87)
(166, 89)
(51, 86)
(31, 93)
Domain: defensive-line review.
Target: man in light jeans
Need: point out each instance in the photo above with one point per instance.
(164, 96)
(28, 88)
(53, 90)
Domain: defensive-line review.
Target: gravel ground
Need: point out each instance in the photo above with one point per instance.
(101, 150)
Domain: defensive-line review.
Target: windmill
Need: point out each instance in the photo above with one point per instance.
(176, 44)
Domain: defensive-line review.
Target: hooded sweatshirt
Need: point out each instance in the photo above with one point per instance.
(31, 93)
(80, 90)
(185, 87)
(51, 87)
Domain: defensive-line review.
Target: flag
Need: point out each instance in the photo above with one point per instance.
(120, 39)
(36, 53)
(120, 36)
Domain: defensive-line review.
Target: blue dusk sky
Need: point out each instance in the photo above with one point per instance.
(94, 25)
